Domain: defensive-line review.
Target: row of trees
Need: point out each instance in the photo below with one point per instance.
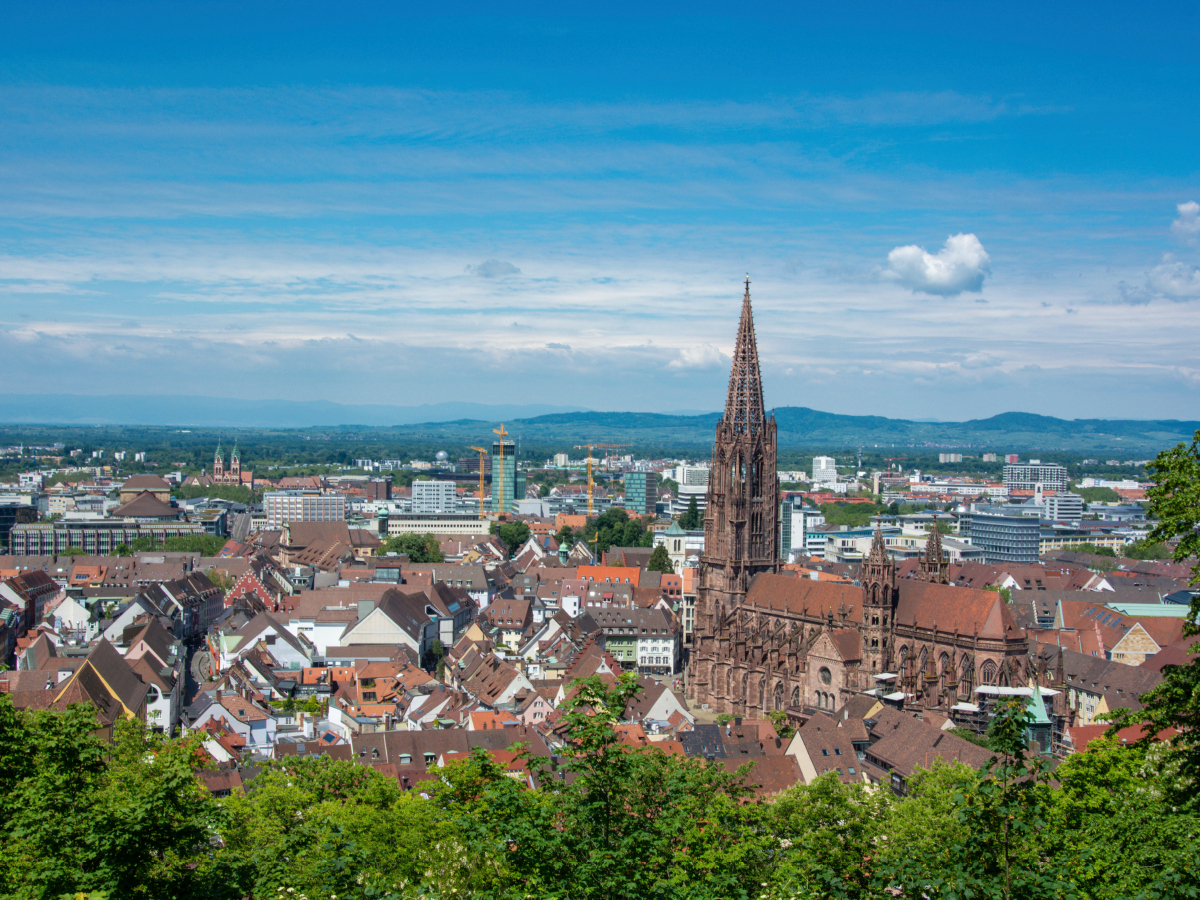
(204, 544)
(608, 821)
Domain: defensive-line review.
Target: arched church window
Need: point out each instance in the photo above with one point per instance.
(825, 675)
(987, 673)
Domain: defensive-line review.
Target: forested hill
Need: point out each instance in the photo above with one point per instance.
(460, 425)
(803, 427)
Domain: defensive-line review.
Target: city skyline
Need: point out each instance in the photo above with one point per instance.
(399, 210)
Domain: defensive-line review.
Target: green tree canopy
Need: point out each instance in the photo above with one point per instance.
(1175, 703)
(515, 534)
(660, 560)
(604, 820)
(615, 528)
(691, 520)
(420, 548)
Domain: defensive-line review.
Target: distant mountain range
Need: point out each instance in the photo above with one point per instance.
(231, 412)
(799, 426)
(802, 427)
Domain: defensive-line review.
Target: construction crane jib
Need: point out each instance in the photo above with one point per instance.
(591, 484)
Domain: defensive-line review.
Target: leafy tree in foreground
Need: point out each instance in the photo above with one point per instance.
(1175, 703)
(995, 852)
(605, 820)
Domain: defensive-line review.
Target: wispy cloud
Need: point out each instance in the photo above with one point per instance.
(276, 240)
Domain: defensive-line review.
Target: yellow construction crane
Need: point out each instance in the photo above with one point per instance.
(482, 458)
(498, 490)
(591, 485)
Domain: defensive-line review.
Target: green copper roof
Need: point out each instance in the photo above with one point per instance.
(1037, 707)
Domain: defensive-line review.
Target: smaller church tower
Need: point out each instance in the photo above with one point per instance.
(933, 566)
(880, 595)
(218, 471)
(235, 466)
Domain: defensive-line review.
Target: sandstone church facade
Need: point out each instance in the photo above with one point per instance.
(234, 475)
(766, 641)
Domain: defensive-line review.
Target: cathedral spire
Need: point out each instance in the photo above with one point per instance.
(878, 555)
(932, 566)
(933, 547)
(744, 406)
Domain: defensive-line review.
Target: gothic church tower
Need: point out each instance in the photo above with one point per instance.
(741, 521)
(880, 594)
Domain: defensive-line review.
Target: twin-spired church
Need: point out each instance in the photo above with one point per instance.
(766, 641)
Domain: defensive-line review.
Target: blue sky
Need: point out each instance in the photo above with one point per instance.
(946, 211)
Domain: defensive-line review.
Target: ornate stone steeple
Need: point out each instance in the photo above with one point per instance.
(744, 406)
(933, 566)
(218, 463)
(880, 596)
(741, 520)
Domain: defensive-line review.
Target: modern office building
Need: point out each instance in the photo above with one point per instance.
(1002, 537)
(824, 470)
(852, 545)
(445, 523)
(433, 497)
(283, 507)
(504, 476)
(694, 475)
(795, 525)
(641, 493)
(1026, 477)
(13, 514)
(96, 537)
(683, 498)
(1064, 508)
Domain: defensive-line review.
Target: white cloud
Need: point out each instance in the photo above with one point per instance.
(702, 356)
(494, 268)
(959, 266)
(1187, 226)
(1174, 279)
